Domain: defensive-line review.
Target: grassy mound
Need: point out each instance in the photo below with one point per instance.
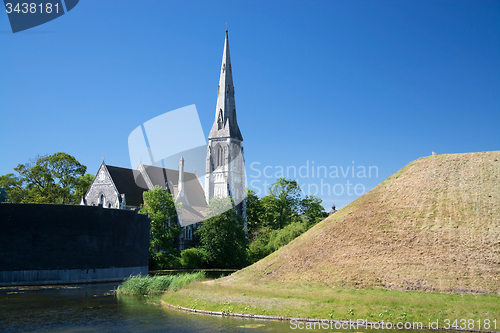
(148, 285)
(432, 226)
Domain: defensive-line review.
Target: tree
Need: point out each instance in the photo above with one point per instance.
(66, 171)
(282, 202)
(280, 217)
(311, 210)
(13, 187)
(82, 186)
(222, 238)
(164, 229)
(255, 213)
(55, 179)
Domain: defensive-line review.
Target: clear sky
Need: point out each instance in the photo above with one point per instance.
(323, 83)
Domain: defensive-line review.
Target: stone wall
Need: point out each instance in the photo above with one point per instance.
(42, 244)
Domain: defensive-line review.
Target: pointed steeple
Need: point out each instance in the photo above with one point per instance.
(225, 124)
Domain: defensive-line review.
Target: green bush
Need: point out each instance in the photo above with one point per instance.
(159, 260)
(269, 240)
(284, 236)
(192, 258)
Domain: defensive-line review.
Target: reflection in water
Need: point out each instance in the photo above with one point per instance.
(93, 308)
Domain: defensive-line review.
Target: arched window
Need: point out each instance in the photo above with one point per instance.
(219, 120)
(101, 200)
(220, 156)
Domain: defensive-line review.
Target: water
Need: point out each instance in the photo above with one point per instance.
(93, 308)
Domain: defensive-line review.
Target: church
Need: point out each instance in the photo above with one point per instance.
(121, 188)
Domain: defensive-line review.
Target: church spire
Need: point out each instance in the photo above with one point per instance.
(225, 124)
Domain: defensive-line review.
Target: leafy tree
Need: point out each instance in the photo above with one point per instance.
(82, 186)
(255, 213)
(283, 202)
(13, 187)
(47, 179)
(222, 238)
(66, 171)
(39, 184)
(311, 210)
(259, 247)
(279, 217)
(164, 229)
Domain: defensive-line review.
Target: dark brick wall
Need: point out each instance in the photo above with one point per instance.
(39, 236)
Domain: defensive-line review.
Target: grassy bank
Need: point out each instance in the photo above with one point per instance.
(322, 301)
(148, 285)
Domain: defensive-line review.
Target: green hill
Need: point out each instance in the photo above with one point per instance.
(433, 226)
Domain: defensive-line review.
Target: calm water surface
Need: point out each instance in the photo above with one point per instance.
(93, 308)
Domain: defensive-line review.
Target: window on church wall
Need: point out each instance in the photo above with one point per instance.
(220, 156)
(219, 120)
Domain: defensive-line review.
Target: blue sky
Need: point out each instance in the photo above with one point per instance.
(337, 83)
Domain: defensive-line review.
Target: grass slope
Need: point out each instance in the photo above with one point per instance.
(434, 226)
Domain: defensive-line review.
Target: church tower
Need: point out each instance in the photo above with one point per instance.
(225, 164)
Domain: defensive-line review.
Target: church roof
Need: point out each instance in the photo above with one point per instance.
(192, 187)
(129, 182)
(160, 176)
(192, 215)
(132, 184)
